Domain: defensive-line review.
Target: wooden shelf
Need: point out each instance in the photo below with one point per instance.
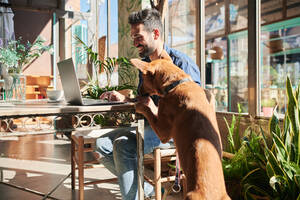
(36, 86)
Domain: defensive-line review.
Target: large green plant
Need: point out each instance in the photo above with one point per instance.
(108, 66)
(247, 152)
(283, 155)
(269, 170)
(16, 54)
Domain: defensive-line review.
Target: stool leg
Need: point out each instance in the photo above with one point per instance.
(157, 173)
(72, 164)
(80, 165)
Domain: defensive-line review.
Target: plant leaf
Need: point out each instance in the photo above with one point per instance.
(274, 164)
(282, 153)
(293, 113)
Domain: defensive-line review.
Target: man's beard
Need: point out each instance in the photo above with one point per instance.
(146, 52)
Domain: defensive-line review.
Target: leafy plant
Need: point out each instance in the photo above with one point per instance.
(268, 102)
(268, 170)
(247, 153)
(8, 55)
(109, 65)
(15, 55)
(233, 132)
(283, 155)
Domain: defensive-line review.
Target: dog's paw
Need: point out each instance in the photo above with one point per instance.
(141, 108)
(164, 139)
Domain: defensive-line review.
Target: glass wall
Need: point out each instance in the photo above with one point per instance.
(238, 71)
(238, 15)
(182, 26)
(216, 71)
(227, 53)
(280, 58)
(214, 18)
(103, 20)
(293, 8)
(271, 11)
(113, 50)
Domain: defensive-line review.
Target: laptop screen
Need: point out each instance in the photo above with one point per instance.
(69, 82)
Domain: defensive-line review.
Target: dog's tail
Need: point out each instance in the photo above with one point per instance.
(195, 195)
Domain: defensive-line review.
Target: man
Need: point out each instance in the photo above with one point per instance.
(118, 148)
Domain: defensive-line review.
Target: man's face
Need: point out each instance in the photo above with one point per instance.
(142, 40)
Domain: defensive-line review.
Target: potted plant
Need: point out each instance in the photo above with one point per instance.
(268, 106)
(266, 167)
(93, 88)
(13, 58)
(108, 66)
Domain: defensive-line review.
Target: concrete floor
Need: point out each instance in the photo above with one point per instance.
(39, 163)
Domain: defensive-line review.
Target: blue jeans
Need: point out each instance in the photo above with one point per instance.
(118, 154)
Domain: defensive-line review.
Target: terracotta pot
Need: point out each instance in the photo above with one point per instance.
(267, 111)
(218, 55)
(275, 45)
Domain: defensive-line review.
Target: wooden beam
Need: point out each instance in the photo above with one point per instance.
(254, 31)
(61, 13)
(161, 6)
(200, 38)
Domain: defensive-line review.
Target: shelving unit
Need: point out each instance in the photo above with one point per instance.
(36, 86)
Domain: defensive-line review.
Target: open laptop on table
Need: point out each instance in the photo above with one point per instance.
(71, 86)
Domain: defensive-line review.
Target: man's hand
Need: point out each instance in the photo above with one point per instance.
(113, 96)
(145, 103)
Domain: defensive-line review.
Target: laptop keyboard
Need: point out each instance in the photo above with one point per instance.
(94, 101)
(99, 102)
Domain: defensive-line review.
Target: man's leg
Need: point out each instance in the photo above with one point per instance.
(104, 146)
(118, 149)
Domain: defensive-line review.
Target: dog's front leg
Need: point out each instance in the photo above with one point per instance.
(146, 107)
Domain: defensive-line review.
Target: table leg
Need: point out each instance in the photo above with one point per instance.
(140, 157)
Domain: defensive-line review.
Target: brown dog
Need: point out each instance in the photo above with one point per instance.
(186, 115)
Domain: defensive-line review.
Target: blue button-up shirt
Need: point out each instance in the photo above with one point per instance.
(182, 61)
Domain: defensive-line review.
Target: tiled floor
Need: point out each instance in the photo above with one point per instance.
(39, 163)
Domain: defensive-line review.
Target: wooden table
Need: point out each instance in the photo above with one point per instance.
(42, 108)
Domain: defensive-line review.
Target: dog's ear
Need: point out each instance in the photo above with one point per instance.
(141, 65)
(165, 55)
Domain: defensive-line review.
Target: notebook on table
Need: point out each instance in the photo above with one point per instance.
(71, 87)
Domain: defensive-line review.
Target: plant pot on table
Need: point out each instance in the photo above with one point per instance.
(15, 87)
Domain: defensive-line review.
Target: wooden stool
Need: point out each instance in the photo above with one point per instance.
(82, 142)
(158, 157)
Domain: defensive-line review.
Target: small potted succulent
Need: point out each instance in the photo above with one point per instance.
(268, 106)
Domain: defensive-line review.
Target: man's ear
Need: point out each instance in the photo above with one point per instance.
(165, 55)
(156, 34)
(141, 65)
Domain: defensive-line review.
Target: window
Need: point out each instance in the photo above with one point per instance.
(280, 58)
(238, 71)
(216, 71)
(238, 14)
(227, 77)
(293, 8)
(271, 11)
(182, 26)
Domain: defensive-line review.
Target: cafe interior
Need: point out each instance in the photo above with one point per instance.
(248, 53)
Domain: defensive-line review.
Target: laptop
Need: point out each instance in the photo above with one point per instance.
(71, 87)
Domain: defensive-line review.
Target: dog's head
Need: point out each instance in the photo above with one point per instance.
(157, 74)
